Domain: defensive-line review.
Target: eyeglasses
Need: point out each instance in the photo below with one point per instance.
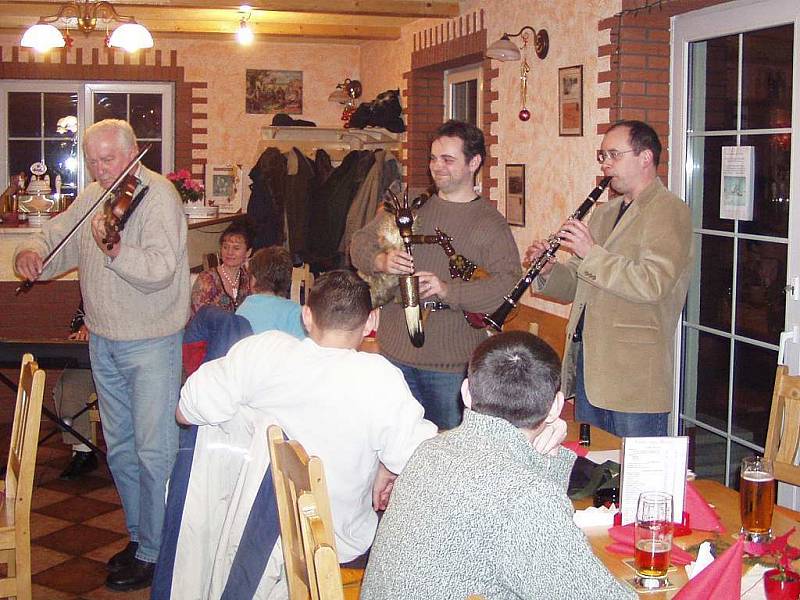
(604, 155)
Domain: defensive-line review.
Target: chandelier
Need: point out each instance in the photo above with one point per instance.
(84, 16)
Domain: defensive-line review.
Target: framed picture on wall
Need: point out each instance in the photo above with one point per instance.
(515, 195)
(269, 91)
(224, 187)
(570, 100)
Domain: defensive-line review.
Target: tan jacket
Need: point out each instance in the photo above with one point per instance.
(633, 285)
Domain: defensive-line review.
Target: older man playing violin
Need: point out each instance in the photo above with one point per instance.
(136, 298)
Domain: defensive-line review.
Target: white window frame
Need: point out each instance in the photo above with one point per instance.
(460, 75)
(84, 90)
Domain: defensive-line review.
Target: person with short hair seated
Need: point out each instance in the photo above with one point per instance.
(483, 509)
(268, 306)
(352, 409)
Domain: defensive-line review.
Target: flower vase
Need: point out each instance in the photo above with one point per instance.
(776, 588)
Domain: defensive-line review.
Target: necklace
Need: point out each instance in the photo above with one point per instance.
(234, 285)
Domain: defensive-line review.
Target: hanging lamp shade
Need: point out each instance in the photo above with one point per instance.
(42, 37)
(131, 37)
(503, 49)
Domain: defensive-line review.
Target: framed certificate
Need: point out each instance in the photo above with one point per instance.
(224, 187)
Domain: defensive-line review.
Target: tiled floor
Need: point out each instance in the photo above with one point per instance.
(76, 526)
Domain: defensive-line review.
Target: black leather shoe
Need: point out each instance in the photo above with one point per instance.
(135, 576)
(124, 558)
(81, 463)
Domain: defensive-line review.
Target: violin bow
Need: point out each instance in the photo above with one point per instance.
(28, 284)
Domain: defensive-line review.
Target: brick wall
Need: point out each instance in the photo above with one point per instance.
(640, 64)
(450, 45)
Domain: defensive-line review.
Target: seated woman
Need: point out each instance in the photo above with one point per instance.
(227, 284)
(268, 307)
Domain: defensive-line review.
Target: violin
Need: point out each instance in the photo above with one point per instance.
(119, 207)
(110, 197)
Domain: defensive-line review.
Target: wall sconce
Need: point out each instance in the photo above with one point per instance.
(504, 49)
(130, 35)
(244, 35)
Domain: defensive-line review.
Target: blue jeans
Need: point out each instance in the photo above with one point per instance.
(621, 424)
(138, 384)
(439, 393)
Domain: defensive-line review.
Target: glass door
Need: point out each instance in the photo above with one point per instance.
(735, 73)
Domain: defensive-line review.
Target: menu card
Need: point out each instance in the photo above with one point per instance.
(653, 464)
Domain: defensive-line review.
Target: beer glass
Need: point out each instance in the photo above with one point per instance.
(653, 537)
(756, 498)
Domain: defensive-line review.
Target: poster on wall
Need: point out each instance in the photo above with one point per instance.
(271, 91)
(736, 184)
(570, 101)
(515, 195)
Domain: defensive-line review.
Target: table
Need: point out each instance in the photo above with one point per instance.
(724, 500)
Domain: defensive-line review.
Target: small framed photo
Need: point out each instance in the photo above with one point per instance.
(515, 195)
(224, 187)
(570, 100)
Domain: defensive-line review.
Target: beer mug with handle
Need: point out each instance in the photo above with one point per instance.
(756, 498)
(653, 538)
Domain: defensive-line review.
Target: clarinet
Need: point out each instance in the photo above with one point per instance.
(498, 317)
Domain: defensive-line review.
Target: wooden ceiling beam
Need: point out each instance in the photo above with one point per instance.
(411, 9)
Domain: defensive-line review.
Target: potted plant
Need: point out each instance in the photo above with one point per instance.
(781, 583)
(190, 190)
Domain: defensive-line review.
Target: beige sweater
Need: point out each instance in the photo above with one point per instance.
(144, 291)
(481, 234)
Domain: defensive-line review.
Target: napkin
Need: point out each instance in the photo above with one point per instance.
(595, 516)
(704, 558)
(721, 579)
(623, 541)
(701, 515)
(576, 448)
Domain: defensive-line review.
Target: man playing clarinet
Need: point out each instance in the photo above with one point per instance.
(435, 371)
(136, 300)
(627, 279)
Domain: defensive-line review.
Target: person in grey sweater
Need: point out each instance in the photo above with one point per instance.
(482, 509)
(136, 300)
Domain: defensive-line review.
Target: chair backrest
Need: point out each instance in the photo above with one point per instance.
(302, 280)
(25, 437)
(783, 432)
(309, 550)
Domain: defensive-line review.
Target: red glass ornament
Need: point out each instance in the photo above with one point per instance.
(524, 114)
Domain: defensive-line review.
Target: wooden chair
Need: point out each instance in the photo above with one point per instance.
(302, 280)
(15, 506)
(783, 432)
(309, 549)
(94, 416)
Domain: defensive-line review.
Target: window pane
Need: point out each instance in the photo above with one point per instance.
(771, 185)
(707, 454)
(61, 108)
(716, 281)
(465, 101)
(24, 114)
(21, 155)
(767, 78)
(714, 83)
(152, 160)
(753, 379)
(146, 115)
(110, 106)
(712, 380)
(706, 164)
(61, 159)
(760, 299)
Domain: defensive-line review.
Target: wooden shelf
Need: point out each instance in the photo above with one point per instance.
(356, 139)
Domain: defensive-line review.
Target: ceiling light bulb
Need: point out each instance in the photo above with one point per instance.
(244, 35)
(42, 37)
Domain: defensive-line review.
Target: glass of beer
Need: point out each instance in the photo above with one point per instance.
(756, 498)
(653, 538)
